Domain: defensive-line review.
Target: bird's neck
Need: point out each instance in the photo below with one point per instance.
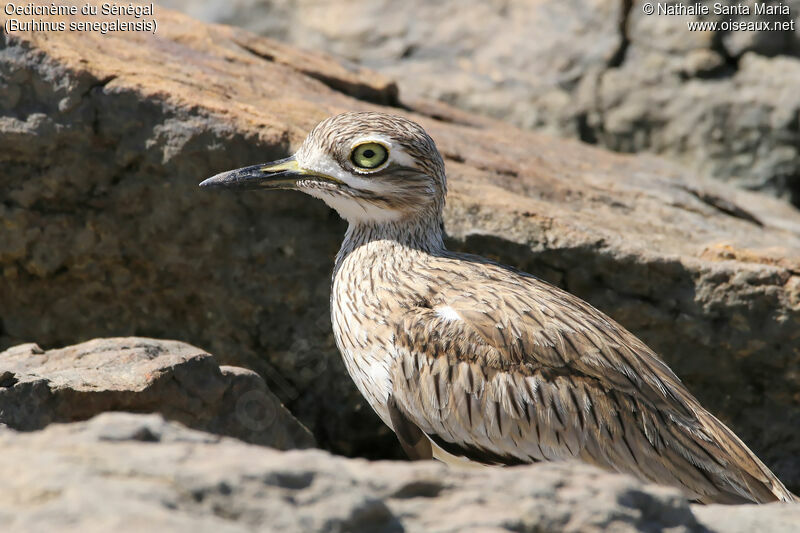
(423, 234)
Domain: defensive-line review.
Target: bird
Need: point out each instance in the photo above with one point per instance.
(472, 362)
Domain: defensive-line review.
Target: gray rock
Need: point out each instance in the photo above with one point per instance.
(105, 233)
(125, 472)
(520, 61)
(128, 472)
(183, 383)
(723, 102)
(779, 518)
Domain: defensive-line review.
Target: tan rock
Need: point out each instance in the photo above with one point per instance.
(181, 382)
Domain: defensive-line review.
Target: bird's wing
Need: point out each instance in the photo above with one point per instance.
(512, 370)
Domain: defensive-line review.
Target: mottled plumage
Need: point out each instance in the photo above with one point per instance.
(469, 360)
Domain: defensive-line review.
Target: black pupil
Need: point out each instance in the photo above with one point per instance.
(369, 154)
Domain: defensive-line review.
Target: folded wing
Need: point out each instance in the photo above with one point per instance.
(516, 371)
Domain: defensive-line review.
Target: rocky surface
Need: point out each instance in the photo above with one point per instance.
(103, 231)
(125, 472)
(722, 102)
(181, 382)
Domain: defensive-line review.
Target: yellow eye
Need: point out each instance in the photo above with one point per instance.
(369, 155)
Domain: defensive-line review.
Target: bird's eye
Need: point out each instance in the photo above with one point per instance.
(369, 155)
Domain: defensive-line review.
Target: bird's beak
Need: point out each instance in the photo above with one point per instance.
(282, 174)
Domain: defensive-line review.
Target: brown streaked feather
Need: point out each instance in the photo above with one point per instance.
(545, 376)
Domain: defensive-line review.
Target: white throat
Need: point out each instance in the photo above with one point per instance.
(355, 211)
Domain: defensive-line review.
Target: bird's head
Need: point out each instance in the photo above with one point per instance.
(370, 167)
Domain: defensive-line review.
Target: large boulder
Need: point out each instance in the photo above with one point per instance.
(125, 472)
(103, 230)
(722, 101)
(179, 381)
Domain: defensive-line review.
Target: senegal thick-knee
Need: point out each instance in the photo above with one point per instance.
(468, 360)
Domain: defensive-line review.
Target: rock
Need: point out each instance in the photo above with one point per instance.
(780, 518)
(133, 472)
(721, 101)
(437, 50)
(181, 382)
(126, 472)
(103, 230)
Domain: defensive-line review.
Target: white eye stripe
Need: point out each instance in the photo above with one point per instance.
(314, 159)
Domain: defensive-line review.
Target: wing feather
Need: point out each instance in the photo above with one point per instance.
(526, 372)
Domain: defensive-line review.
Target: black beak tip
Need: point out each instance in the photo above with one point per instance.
(207, 183)
(220, 181)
